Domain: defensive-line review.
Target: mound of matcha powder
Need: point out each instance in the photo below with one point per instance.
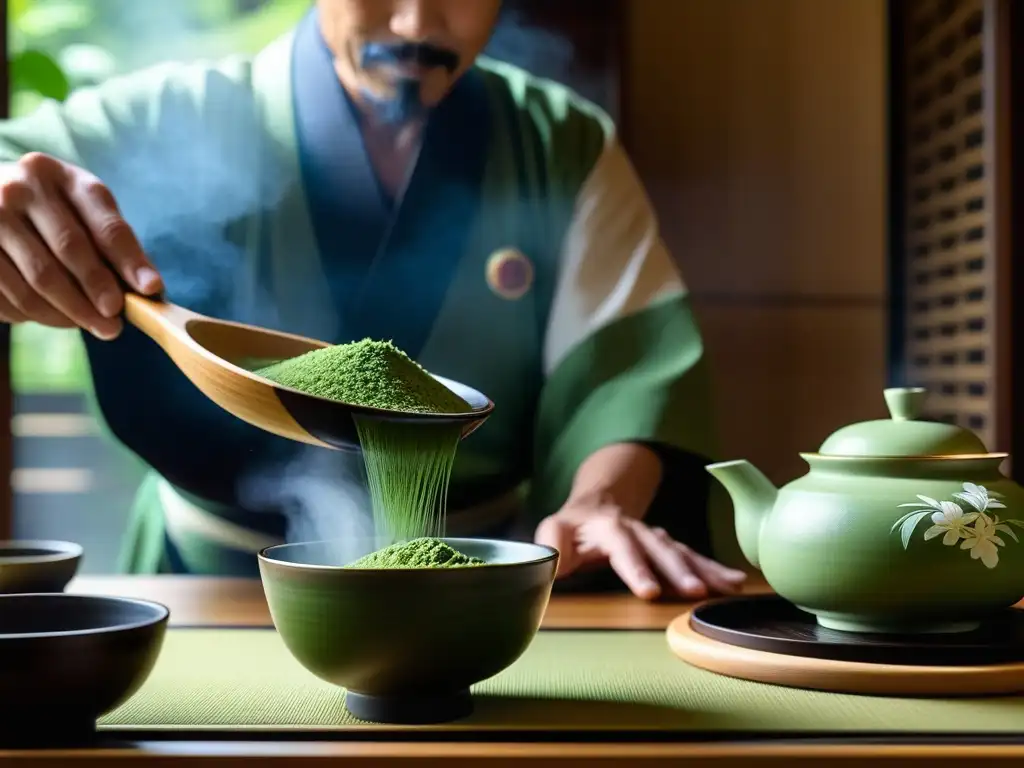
(367, 372)
(419, 553)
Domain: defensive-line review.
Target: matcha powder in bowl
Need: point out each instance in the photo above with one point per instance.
(370, 373)
(420, 553)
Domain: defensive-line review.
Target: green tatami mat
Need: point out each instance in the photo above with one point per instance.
(224, 679)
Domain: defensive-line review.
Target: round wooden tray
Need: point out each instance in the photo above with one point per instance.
(838, 675)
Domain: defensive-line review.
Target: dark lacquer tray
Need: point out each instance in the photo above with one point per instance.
(769, 623)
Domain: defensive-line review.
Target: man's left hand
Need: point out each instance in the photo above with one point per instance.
(648, 560)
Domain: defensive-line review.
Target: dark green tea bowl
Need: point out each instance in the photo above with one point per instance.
(37, 566)
(67, 660)
(407, 644)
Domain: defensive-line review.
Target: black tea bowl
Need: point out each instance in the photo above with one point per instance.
(67, 660)
(407, 644)
(37, 566)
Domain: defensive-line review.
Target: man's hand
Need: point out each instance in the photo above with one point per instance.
(647, 559)
(602, 524)
(63, 243)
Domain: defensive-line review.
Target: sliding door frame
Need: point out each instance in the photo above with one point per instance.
(6, 395)
(1002, 115)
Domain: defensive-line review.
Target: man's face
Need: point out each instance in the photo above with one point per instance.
(400, 57)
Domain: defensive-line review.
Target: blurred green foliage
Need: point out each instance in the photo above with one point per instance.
(57, 46)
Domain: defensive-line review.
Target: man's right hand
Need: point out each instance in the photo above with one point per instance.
(63, 242)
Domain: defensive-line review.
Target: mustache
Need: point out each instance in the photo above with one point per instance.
(424, 54)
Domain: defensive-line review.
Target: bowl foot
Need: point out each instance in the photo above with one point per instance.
(410, 710)
(876, 627)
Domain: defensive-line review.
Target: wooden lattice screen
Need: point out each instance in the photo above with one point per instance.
(954, 259)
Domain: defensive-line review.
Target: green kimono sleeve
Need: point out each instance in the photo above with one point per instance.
(86, 129)
(623, 356)
(107, 129)
(112, 130)
(97, 125)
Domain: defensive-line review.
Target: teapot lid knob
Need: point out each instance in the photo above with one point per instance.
(905, 403)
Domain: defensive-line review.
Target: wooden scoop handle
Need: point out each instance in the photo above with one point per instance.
(157, 318)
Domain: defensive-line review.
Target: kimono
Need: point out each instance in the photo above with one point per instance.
(523, 259)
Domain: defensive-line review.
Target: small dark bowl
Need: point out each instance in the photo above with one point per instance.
(407, 644)
(37, 566)
(67, 660)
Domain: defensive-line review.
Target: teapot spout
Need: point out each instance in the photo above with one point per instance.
(753, 497)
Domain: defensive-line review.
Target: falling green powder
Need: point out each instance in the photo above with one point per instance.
(408, 465)
(419, 553)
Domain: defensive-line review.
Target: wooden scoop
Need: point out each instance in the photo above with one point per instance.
(214, 354)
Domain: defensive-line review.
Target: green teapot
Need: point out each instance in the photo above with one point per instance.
(900, 526)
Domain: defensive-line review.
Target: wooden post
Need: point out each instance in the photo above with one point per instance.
(6, 397)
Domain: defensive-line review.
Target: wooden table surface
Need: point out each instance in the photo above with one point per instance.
(237, 602)
(200, 601)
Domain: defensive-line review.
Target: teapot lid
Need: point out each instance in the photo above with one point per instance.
(903, 434)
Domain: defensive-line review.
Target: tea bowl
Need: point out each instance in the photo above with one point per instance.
(37, 566)
(407, 644)
(67, 660)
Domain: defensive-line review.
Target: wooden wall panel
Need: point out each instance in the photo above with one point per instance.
(788, 375)
(759, 127)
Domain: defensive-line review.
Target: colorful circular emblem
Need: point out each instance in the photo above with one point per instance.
(509, 273)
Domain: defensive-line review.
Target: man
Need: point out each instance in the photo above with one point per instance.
(371, 175)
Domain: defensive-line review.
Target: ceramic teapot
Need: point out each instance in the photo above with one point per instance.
(899, 526)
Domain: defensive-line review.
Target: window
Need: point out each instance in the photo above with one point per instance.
(70, 481)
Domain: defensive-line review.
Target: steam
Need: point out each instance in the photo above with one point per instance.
(323, 497)
(541, 52)
(190, 191)
(532, 48)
